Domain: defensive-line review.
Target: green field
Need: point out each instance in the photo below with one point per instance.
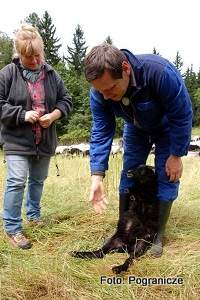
(47, 271)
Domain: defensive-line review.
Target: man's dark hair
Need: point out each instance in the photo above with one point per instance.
(101, 58)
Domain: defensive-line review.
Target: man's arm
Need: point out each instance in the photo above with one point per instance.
(97, 194)
(177, 104)
(102, 133)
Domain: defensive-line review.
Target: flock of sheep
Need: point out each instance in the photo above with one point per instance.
(83, 149)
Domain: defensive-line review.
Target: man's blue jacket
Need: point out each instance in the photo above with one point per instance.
(159, 101)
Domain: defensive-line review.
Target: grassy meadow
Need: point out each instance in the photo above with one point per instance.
(47, 271)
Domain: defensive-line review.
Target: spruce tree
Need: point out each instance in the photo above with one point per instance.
(34, 20)
(155, 51)
(6, 48)
(78, 51)
(47, 30)
(178, 61)
(197, 107)
(108, 40)
(190, 79)
(198, 79)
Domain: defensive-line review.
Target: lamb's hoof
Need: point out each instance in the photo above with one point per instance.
(117, 269)
(77, 254)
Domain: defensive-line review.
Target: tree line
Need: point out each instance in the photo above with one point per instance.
(70, 67)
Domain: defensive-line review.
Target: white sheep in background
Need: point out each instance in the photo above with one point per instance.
(117, 148)
(61, 149)
(76, 149)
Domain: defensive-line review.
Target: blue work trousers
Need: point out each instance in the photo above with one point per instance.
(137, 146)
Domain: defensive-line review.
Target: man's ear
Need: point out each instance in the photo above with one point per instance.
(126, 67)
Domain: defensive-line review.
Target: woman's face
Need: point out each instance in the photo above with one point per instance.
(32, 62)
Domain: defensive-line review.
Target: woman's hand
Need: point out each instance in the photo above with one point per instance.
(47, 119)
(31, 116)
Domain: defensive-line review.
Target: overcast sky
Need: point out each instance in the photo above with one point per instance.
(167, 25)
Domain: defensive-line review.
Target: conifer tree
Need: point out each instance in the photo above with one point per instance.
(198, 79)
(47, 30)
(34, 20)
(108, 40)
(190, 79)
(178, 61)
(6, 48)
(155, 51)
(196, 107)
(78, 51)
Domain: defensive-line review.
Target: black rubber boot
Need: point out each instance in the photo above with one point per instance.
(124, 202)
(164, 212)
(123, 207)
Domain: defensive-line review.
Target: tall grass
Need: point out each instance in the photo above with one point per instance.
(47, 271)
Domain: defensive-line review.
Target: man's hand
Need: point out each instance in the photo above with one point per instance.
(97, 194)
(31, 116)
(174, 168)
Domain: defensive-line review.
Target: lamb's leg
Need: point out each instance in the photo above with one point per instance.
(113, 243)
(138, 250)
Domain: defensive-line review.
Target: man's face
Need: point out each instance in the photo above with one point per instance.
(112, 88)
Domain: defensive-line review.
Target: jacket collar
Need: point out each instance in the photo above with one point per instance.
(137, 67)
(47, 67)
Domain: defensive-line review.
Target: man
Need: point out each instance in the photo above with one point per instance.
(148, 92)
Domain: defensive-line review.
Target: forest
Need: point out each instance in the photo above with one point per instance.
(70, 67)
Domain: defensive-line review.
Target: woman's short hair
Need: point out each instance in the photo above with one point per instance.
(28, 42)
(101, 58)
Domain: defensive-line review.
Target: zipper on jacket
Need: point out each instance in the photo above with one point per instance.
(37, 152)
(126, 114)
(150, 139)
(132, 114)
(131, 118)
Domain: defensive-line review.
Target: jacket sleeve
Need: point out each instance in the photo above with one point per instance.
(10, 114)
(63, 101)
(177, 106)
(103, 129)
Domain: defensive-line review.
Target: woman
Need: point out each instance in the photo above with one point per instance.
(32, 98)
